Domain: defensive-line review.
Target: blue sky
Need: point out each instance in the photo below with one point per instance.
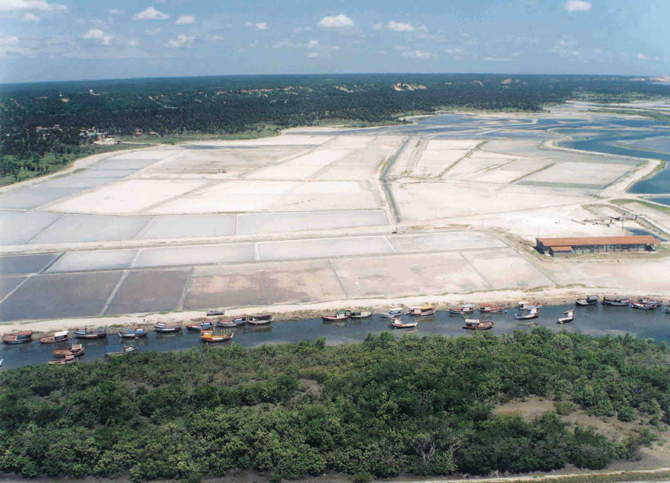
(43, 40)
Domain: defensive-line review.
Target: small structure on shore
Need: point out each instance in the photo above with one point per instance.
(596, 244)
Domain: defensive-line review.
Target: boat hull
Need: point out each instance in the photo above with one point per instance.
(16, 341)
(90, 336)
(167, 330)
(487, 327)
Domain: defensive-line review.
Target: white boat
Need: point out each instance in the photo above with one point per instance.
(361, 315)
(422, 311)
(523, 305)
(393, 313)
(476, 324)
(568, 316)
(397, 323)
(527, 314)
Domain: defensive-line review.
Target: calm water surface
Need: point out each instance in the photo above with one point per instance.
(593, 320)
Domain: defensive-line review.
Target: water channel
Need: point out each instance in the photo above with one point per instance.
(592, 320)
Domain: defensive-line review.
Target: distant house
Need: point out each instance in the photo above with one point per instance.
(596, 244)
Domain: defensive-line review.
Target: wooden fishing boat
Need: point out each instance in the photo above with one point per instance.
(491, 309)
(199, 327)
(234, 322)
(125, 350)
(65, 360)
(208, 336)
(648, 300)
(56, 337)
(523, 305)
(361, 315)
(164, 328)
(75, 350)
(476, 324)
(257, 320)
(86, 333)
(393, 313)
(422, 311)
(568, 316)
(667, 310)
(588, 300)
(616, 301)
(133, 333)
(343, 315)
(21, 337)
(642, 306)
(462, 310)
(399, 324)
(527, 314)
(215, 312)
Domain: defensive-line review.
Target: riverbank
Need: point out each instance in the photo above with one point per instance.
(297, 312)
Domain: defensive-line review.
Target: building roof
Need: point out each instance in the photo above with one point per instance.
(561, 249)
(599, 240)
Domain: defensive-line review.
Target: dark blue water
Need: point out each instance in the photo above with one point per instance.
(593, 320)
(663, 201)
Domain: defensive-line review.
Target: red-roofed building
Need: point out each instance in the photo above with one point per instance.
(596, 244)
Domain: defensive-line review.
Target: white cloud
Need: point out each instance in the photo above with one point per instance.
(400, 27)
(116, 12)
(151, 14)
(565, 49)
(11, 44)
(155, 31)
(312, 44)
(133, 43)
(181, 40)
(98, 34)
(642, 56)
(283, 44)
(30, 17)
(214, 38)
(400, 48)
(418, 54)
(423, 28)
(498, 59)
(257, 26)
(42, 5)
(336, 21)
(378, 26)
(185, 20)
(577, 6)
(456, 51)
(312, 55)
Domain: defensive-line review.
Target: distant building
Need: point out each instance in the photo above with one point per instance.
(596, 244)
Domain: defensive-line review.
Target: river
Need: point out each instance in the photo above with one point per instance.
(593, 320)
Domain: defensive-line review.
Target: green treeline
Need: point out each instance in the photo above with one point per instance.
(376, 409)
(45, 125)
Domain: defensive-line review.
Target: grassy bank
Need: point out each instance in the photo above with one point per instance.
(377, 409)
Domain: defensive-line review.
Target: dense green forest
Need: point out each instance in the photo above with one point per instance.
(45, 125)
(376, 409)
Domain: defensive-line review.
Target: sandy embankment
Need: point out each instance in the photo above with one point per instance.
(289, 312)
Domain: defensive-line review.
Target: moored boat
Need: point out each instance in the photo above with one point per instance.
(125, 350)
(164, 328)
(523, 305)
(75, 350)
(616, 301)
(393, 313)
(464, 309)
(568, 316)
(65, 360)
(476, 324)
(361, 315)
(257, 320)
(397, 323)
(588, 300)
(234, 322)
(86, 333)
(667, 310)
(642, 306)
(214, 312)
(133, 333)
(422, 311)
(200, 326)
(342, 315)
(491, 309)
(56, 337)
(527, 314)
(21, 337)
(209, 336)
